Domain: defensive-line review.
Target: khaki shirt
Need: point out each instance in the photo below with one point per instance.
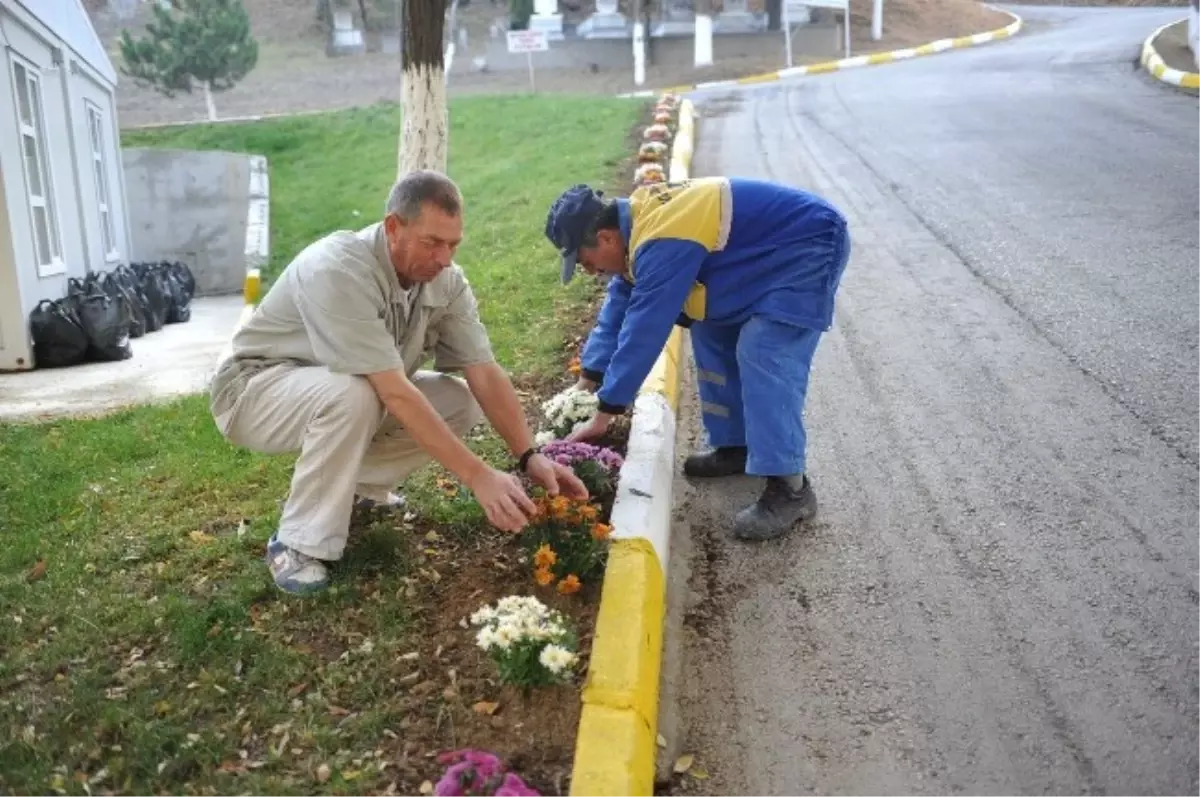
(339, 304)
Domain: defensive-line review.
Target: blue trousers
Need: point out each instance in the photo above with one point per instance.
(753, 382)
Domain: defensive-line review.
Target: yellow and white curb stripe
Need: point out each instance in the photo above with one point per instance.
(873, 59)
(1153, 63)
(616, 744)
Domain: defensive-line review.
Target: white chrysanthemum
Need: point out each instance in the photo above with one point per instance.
(486, 638)
(485, 615)
(543, 438)
(556, 658)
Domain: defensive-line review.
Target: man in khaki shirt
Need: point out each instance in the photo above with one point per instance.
(328, 365)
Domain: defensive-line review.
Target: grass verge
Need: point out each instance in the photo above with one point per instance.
(143, 647)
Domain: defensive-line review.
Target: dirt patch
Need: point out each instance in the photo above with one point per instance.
(294, 74)
(1172, 47)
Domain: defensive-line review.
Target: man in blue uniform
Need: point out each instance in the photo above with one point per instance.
(752, 268)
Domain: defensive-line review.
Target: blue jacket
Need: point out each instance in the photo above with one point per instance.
(719, 250)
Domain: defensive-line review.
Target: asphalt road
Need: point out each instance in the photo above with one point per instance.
(1000, 593)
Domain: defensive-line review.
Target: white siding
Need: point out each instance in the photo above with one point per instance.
(57, 106)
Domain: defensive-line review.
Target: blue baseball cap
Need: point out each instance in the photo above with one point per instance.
(568, 220)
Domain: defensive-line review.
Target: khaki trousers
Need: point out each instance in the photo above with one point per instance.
(348, 443)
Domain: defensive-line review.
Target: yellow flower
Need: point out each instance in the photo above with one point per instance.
(569, 585)
(600, 531)
(544, 557)
(543, 576)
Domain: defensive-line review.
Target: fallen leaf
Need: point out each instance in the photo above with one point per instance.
(699, 773)
(38, 571)
(338, 711)
(350, 774)
(684, 763)
(427, 787)
(162, 708)
(484, 707)
(661, 741)
(298, 689)
(200, 537)
(323, 773)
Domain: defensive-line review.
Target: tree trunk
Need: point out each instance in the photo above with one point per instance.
(425, 127)
(208, 102)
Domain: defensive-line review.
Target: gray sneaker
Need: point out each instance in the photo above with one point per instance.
(293, 571)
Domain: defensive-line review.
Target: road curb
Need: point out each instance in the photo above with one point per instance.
(616, 744)
(1153, 63)
(873, 59)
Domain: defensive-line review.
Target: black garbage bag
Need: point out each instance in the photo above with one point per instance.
(106, 326)
(131, 311)
(156, 302)
(59, 339)
(125, 277)
(179, 300)
(184, 274)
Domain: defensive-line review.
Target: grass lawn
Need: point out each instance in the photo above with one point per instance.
(143, 647)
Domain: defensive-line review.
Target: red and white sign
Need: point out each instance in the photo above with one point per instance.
(527, 41)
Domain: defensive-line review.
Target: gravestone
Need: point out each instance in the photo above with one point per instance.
(546, 17)
(678, 19)
(606, 23)
(345, 39)
(735, 17)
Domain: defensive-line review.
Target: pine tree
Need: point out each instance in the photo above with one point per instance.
(196, 42)
(425, 127)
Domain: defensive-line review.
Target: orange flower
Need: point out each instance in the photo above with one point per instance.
(600, 531)
(573, 367)
(569, 585)
(559, 506)
(588, 512)
(543, 576)
(544, 556)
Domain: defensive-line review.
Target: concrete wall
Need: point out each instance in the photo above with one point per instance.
(822, 40)
(207, 209)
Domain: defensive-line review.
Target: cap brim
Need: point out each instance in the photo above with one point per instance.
(568, 266)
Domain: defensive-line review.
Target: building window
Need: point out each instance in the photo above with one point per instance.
(108, 233)
(39, 190)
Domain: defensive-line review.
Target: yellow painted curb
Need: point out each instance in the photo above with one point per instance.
(615, 746)
(872, 59)
(1153, 63)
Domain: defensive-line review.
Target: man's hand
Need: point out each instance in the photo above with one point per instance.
(586, 385)
(556, 478)
(503, 499)
(594, 428)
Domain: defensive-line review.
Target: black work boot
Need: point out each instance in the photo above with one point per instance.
(729, 461)
(778, 509)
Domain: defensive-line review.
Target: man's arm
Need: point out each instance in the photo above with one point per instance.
(602, 340)
(412, 409)
(494, 391)
(666, 270)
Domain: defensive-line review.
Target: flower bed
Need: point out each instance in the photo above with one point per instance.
(491, 694)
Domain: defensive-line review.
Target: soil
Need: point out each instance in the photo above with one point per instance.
(1172, 47)
(294, 74)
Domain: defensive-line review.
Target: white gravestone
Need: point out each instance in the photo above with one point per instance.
(546, 18)
(606, 23)
(735, 17)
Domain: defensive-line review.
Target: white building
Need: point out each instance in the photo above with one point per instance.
(62, 191)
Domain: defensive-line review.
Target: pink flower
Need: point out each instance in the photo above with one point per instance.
(474, 772)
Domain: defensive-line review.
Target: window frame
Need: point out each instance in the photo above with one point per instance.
(100, 176)
(35, 130)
